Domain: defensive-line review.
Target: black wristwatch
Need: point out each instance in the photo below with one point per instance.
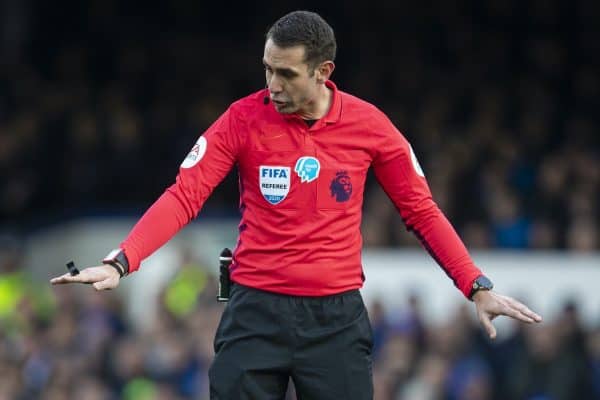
(482, 282)
(118, 260)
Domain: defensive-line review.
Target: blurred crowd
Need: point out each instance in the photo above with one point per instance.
(101, 100)
(71, 342)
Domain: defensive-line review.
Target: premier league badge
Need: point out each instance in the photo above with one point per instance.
(274, 182)
(341, 187)
(307, 168)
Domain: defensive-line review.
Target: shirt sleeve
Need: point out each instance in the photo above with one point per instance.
(399, 173)
(209, 161)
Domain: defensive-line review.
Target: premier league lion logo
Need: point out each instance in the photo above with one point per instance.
(341, 187)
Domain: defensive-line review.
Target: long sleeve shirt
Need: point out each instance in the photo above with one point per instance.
(301, 196)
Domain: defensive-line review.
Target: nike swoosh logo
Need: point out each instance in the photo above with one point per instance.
(273, 137)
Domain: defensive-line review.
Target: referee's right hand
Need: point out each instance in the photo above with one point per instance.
(102, 277)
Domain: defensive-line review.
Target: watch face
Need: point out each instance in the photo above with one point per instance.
(483, 282)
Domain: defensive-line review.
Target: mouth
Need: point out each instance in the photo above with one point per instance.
(278, 98)
(279, 103)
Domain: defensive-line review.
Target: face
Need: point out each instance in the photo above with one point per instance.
(293, 86)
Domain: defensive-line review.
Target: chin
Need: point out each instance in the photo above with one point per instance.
(285, 109)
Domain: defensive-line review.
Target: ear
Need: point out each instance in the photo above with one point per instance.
(324, 71)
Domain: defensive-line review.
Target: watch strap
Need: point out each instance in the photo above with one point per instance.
(118, 260)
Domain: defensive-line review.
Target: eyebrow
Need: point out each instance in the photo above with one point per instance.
(282, 71)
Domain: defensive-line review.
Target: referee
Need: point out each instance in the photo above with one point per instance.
(303, 148)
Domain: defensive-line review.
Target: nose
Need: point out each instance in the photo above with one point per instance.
(274, 84)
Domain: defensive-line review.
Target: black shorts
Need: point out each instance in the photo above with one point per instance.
(323, 343)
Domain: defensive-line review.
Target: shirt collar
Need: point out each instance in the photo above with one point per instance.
(335, 110)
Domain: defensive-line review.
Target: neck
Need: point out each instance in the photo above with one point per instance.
(319, 107)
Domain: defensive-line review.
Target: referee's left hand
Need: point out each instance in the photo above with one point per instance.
(490, 304)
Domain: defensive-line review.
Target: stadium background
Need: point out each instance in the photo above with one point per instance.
(100, 101)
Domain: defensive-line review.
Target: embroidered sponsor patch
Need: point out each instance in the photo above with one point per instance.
(415, 163)
(274, 182)
(341, 187)
(196, 154)
(307, 168)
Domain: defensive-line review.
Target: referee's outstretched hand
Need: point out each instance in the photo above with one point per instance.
(491, 304)
(102, 277)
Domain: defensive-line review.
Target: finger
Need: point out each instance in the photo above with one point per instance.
(523, 309)
(487, 324)
(512, 312)
(84, 277)
(56, 279)
(66, 278)
(104, 285)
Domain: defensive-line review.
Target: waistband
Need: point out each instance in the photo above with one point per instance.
(326, 298)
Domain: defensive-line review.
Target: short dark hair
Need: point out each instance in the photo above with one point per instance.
(308, 29)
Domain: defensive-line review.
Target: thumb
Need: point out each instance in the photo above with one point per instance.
(104, 285)
(487, 324)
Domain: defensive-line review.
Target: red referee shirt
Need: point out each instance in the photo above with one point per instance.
(301, 194)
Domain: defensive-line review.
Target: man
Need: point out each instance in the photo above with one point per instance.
(303, 149)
